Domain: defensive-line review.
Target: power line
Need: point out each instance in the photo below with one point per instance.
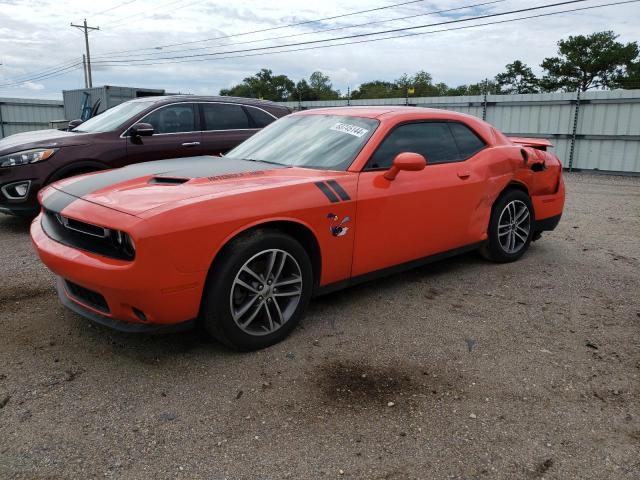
(56, 73)
(112, 8)
(305, 22)
(365, 24)
(136, 16)
(43, 71)
(359, 35)
(465, 27)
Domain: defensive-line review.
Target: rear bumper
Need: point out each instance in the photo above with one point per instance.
(548, 208)
(547, 224)
(166, 298)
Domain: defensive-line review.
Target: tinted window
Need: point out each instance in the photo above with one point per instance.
(467, 141)
(224, 116)
(172, 119)
(433, 140)
(260, 117)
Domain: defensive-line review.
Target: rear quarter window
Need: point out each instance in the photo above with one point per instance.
(467, 141)
(260, 118)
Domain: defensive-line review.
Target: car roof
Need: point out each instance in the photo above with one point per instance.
(387, 112)
(207, 98)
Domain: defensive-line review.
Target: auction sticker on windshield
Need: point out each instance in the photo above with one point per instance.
(350, 129)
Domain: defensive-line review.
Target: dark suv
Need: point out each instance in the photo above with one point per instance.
(140, 130)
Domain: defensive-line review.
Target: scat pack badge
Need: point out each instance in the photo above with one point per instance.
(336, 228)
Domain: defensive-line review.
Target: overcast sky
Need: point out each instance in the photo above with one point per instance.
(36, 36)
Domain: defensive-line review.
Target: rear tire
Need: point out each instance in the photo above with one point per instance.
(510, 228)
(258, 290)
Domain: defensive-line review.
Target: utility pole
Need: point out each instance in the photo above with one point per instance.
(86, 30)
(84, 69)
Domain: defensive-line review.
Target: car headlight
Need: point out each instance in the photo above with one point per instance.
(26, 156)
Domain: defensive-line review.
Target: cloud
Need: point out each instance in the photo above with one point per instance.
(34, 86)
(35, 36)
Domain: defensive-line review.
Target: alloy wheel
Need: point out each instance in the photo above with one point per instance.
(266, 292)
(514, 225)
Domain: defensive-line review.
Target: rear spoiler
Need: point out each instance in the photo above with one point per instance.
(539, 143)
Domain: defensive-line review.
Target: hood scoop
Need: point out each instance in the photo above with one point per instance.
(168, 181)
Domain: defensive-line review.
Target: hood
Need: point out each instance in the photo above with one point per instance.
(42, 138)
(144, 186)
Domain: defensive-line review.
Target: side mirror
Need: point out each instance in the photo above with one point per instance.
(75, 123)
(411, 162)
(141, 130)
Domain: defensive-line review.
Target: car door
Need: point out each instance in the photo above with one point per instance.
(226, 125)
(176, 134)
(421, 213)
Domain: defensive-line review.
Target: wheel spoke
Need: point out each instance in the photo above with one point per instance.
(252, 273)
(246, 285)
(280, 320)
(272, 262)
(266, 308)
(525, 231)
(253, 315)
(524, 239)
(288, 282)
(279, 268)
(288, 294)
(245, 308)
(522, 214)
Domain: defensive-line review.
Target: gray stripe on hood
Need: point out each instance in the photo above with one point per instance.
(189, 167)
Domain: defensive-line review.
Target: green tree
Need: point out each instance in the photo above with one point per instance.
(517, 78)
(377, 89)
(263, 84)
(630, 78)
(584, 62)
(321, 87)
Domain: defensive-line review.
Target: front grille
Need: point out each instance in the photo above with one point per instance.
(82, 235)
(88, 297)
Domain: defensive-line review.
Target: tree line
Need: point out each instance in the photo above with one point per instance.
(583, 62)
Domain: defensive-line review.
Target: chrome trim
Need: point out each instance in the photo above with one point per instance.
(11, 197)
(122, 135)
(64, 221)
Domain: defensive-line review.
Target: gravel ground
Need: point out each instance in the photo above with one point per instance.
(461, 369)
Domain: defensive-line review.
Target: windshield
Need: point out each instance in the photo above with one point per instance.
(114, 117)
(327, 142)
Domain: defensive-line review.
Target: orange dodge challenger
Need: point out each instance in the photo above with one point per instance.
(318, 200)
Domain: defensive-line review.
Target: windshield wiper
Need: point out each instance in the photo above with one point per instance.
(265, 161)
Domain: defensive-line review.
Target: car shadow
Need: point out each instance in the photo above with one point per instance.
(12, 224)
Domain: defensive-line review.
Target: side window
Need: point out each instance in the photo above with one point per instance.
(224, 116)
(433, 140)
(260, 118)
(468, 142)
(173, 119)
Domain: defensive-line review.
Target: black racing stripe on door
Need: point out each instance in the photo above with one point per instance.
(327, 191)
(189, 167)
(339, 190)
(56, 201)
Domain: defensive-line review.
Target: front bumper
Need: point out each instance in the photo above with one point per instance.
(168, 299)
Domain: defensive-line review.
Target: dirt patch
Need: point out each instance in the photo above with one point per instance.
(9, 295)
(359, 383)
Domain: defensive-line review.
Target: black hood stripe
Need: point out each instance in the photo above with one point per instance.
(189, 167)
(57, 200)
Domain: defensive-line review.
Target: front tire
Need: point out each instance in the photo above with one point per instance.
(258, 290)
(510, 228)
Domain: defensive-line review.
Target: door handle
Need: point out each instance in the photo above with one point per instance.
(191, 144)
(464, 175)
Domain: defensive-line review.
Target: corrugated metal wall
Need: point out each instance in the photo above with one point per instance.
(109, 96)
(607, 125)
(22, 114)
